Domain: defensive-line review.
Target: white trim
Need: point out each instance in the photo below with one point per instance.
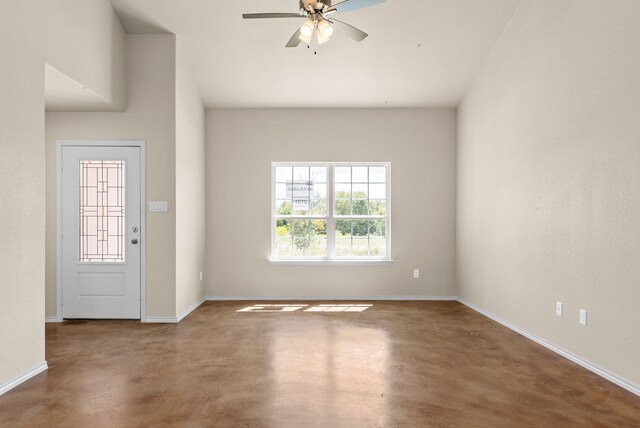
(161, 320)
(330, 217)
(191, 309)
(52, 319)
(629, 386)
(5, 387)
(175, 320)
(331, 298)
(143, 216)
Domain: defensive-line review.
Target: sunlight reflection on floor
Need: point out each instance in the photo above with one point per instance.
(271, 308)
(344, 307)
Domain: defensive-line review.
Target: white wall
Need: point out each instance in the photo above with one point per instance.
(549, 179)
(241, 144)
(190, 185)
(150, 116)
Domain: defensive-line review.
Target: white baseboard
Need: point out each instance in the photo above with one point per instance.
(5, 387)
(52, 319)
(161, 320)
(191, 308)
(174, 320)
(329, 298)
(629, 386)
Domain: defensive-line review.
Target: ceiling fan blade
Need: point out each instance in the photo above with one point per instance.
(272, 15)
(295, 40)
(349, 5)
(349, 30)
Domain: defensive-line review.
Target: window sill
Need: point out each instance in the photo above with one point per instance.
(352, 262)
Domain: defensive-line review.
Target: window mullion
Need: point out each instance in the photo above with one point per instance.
(273, 209)
(331, 223)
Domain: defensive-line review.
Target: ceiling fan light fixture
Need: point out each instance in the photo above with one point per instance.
(325, 28)
(322, 39)
(305, 39)
(307, 28)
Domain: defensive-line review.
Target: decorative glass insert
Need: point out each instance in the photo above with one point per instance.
(102, 208)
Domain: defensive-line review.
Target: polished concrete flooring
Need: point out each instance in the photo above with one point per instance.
(404, 364)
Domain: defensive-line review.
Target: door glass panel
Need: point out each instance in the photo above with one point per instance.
(102, 205)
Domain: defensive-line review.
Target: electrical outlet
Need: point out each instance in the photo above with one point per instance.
(416, 273)
(559, 309)
(583, 317)
(200, 275)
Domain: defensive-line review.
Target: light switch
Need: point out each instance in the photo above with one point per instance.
(158, 206)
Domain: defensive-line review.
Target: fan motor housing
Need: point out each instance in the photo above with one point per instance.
(315, 4)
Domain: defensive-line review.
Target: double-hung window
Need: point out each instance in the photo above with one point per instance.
(330, 211)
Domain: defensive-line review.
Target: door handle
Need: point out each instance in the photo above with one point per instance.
(134, 241)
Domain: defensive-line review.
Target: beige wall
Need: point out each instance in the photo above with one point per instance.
(190, 209)
(85, 41)
(22, 190)
(241, 144)
(150, 116)
(30, 34)
(549, 179)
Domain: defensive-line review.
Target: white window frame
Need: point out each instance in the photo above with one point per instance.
(331, 218)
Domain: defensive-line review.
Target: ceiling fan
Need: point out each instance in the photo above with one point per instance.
(317, 24)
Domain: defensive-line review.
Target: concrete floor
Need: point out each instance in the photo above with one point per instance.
(395, 364)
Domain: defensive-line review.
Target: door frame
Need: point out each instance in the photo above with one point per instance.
(60, 144)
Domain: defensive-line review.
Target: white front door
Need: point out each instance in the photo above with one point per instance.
(101, 214)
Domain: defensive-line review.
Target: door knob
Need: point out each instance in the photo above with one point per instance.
(134, 241)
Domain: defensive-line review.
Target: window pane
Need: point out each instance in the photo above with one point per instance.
(319, 207)
(360, 246)
(319, 190)
(281, 190)
(360, 227)
(319, 174)
(360, 191)
(318, 246)
(283, 207)
(301, 239)
(343, 247)
(343, 238)
(377, 174)
(309, 237)
(342, 174)
(360, 174)
(343, 191)
(301, 173)
(377, 228)
(378, 247)
(377, 191)
(377, 207)
(343, 207)
(360, 207)
(283, 174)
(284, 244)
(102, 208)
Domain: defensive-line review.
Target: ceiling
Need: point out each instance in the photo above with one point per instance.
(419, 53)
